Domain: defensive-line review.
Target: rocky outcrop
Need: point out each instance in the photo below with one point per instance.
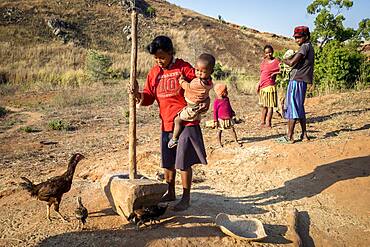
(11, 15)
(67, 32)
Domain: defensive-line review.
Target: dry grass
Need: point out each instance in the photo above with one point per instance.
(43, 63)
(101, 95)
(45, 67)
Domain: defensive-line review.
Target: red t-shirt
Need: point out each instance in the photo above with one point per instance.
(267, 69)
(163, 86)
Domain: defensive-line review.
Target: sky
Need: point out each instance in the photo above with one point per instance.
(274, 16)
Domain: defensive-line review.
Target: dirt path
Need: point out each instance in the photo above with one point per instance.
(326, 179)
(31, 118)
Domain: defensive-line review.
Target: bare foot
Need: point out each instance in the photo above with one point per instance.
(168, 198)
(305, 138)
(182, 205)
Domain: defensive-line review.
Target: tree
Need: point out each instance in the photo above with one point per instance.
(338, 62)
(363, 30)
(97, 65)
(329, 26)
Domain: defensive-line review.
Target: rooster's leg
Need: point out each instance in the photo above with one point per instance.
(61, 216)
(78, 225)
(48, 212)
(56, 208)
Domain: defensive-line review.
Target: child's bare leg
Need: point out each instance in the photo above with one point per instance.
(219, 137)
(269, 116)
(263, 116)
(304, 136)
(282, 106)
(176, 132)
(177, 128)
(236, 137)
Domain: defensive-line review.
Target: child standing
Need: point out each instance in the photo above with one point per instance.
(223, 113)
(266, 87)
(196, 95)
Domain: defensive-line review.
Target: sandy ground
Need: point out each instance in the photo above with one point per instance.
(326, 179)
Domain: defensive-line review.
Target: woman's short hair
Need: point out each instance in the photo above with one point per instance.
(163, 43)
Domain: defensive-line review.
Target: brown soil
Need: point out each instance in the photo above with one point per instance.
(326, 179)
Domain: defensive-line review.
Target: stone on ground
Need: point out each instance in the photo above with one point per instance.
(125, 195)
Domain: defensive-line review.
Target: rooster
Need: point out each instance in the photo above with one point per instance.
(81, 213)
(147, 214)
(52, 190)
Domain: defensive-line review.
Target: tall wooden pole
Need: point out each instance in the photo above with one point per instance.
(132, 101)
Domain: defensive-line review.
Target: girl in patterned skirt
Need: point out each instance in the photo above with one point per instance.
(266, 87)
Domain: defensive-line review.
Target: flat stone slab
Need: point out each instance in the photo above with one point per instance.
(125, 195)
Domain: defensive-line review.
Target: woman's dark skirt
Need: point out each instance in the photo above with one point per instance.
(189, 151)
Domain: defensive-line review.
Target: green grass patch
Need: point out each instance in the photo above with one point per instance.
(30, 129)
(58, 124)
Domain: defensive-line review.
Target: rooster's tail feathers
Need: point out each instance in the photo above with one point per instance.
(27, 185)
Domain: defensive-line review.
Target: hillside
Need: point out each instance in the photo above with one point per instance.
(53, 36)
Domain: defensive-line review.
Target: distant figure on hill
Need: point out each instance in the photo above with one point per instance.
(301, 75)
(163, 85)
(196, 95)
(266, 87)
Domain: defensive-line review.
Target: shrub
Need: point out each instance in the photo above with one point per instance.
(126, 116)
(29, 129)
(97, 65)
(3, 111)
(59, 125)
(3, 77)
(119, 74)
(337, 66)
(219, 73)
(363, 81)
(282, 79)
(150, 11)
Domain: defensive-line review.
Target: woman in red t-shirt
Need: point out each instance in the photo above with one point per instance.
(163, 85)
(266, 87)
